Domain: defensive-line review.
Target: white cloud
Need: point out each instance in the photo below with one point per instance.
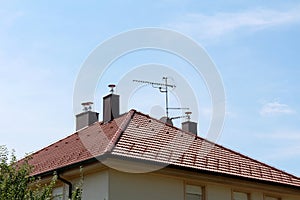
(275, 108)
(219, 24)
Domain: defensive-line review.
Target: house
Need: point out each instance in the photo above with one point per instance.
(134, 156)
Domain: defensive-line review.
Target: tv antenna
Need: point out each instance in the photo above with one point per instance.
(187, 116)
(163, 88)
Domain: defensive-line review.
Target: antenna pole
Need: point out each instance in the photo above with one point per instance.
(163, 88)
(167, 100)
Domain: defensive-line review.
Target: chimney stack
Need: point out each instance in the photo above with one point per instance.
(188, 125)
(111, 106)
(87, 117)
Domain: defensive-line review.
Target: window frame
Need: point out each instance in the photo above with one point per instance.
(272, 196)
(63, 194)
(58, 195)
(202, 186)
(241, 191)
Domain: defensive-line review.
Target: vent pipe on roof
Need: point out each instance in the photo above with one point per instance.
(111, 106)
(87, 117)
(188, 125)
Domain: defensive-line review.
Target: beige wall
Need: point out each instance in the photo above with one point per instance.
(125, 186)
(218, 192)
(167, 184)
(95, 186)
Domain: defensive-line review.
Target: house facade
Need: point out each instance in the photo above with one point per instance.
(134, 156)
(170, 184)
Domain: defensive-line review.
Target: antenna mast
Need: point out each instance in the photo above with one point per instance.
(163, 88)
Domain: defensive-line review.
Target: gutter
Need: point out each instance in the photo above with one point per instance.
(69, 185)
(108, 155)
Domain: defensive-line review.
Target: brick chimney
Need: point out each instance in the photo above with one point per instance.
(87, 117)
(188, 125)
(111, 105)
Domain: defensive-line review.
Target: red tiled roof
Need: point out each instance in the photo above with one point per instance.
(135, 135)
(73, 149)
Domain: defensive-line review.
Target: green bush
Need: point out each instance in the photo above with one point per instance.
(17, 184)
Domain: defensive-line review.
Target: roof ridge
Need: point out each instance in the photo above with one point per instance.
(120, 130)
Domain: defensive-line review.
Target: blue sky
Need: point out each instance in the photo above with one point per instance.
(255, 46)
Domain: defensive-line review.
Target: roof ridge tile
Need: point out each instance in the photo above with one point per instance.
(120, 130)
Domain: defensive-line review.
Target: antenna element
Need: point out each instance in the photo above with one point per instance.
(163, 88)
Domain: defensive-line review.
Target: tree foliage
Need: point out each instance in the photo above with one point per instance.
(17, 184)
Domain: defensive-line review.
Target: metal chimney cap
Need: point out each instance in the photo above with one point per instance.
(87, 103)
(87, 106)
(112, 86)
(188, 115)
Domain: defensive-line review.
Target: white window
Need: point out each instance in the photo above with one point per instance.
(193, 192)
(240, 196)
(271, 198)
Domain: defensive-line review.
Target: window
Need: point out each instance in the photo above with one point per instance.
(193, 192)
(240, 196)
(57, 193)
(271, 198)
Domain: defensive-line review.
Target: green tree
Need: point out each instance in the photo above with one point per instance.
(17, 184)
